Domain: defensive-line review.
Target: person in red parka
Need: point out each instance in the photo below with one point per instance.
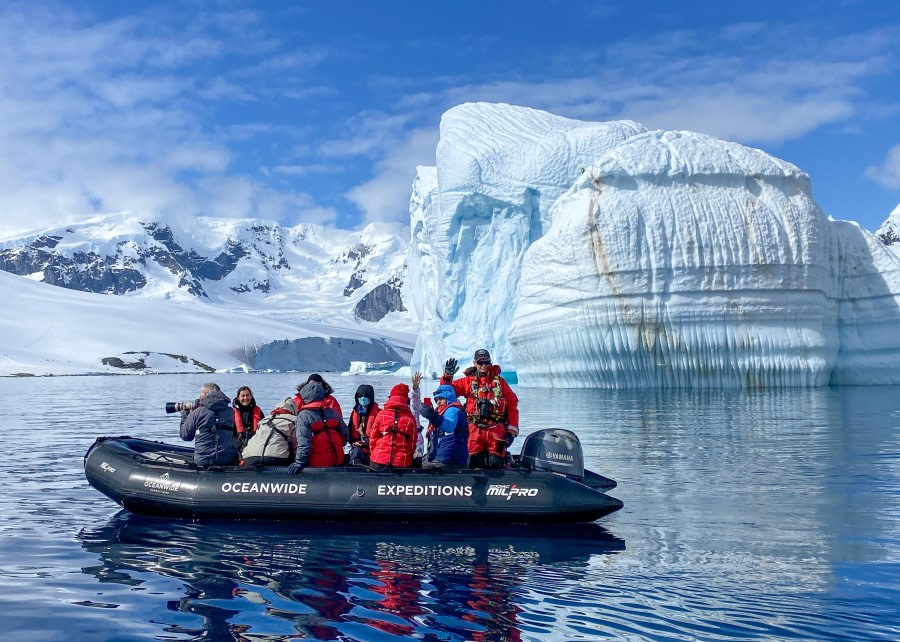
(393, 434)
(491, 406)
(246, 415)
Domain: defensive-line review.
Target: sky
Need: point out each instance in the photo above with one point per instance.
(320, 111)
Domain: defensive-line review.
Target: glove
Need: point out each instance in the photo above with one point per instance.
(430, 413)
(450, 367)
(295, 469)
(509, 439)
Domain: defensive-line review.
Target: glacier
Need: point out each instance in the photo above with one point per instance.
(49, 330)
(607, 255)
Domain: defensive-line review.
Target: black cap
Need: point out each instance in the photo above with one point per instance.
(481, 353)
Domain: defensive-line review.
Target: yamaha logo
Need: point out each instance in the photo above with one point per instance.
(560, 456)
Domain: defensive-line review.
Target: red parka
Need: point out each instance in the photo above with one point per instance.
(393, 434)
(504, 404)
(361, 424)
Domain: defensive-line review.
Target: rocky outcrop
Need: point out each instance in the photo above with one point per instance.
(381, 301)
(84, 271)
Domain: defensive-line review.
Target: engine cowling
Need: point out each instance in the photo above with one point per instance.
(554, 449)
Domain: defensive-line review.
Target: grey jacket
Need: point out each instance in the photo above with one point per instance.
(212, 424)
(276, 434)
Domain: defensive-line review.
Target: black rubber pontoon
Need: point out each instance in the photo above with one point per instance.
(549, 484)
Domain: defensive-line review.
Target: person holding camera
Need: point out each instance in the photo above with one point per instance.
(361, 417)
(209, 422)
(491, 407)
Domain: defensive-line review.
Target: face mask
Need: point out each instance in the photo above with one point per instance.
(364, 401)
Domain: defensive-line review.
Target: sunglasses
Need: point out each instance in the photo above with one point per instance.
(483, 362)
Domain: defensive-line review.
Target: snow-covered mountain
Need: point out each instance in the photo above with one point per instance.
(51, 330)
(601, 254)
(151, 296)
(305, 273)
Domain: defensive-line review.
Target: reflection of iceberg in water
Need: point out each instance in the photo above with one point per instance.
(331, 581)
(721, 480)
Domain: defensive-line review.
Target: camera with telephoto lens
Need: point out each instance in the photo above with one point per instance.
(484, 408)
(181, 406)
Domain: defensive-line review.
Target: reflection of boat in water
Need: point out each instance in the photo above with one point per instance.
(331, 582)
(548, 484)
(125, 540)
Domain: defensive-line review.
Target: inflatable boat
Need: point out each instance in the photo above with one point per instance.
(546, 483)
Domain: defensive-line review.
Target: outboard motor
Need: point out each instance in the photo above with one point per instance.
(554, 449)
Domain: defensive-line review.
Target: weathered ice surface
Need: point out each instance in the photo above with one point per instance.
(499, 168)
(675, 260)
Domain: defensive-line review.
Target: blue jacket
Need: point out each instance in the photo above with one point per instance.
(450, 435)
(215, 440)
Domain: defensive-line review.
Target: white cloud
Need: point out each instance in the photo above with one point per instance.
(238, 197)
(749, 82)
(770, 103)
(301, 170)
(888, 173)
(368, 133)
(100, 116)
(386, 196)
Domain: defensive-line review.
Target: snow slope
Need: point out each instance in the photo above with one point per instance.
(51, 330)
(674, 260)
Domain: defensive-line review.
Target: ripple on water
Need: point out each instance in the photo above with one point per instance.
(748, 516)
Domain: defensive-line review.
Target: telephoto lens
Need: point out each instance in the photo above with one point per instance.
(179, 406)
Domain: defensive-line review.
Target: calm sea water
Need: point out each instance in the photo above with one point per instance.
(771, 515)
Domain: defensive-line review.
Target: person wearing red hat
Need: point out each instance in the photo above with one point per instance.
(392, 436)
(491, 406)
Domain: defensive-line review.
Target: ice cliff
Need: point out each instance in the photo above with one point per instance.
(673, 260)
(499, 169)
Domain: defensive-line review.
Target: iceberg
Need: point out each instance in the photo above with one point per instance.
(674, 259)
(499, 169)
(372, 369)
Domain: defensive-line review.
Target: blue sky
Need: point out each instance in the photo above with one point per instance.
(320, 111)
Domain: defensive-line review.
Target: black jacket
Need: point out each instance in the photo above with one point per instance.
(212, 424)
